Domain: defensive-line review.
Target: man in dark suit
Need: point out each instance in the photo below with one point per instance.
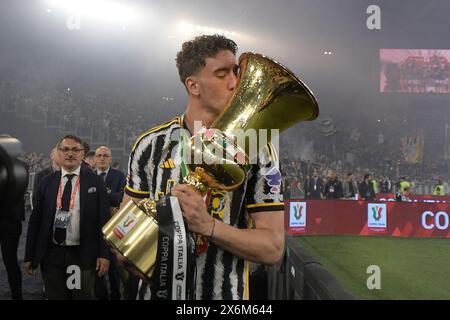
(64, 233)
(366, 190)
(115, 184)
(314, 187)
(114, 179)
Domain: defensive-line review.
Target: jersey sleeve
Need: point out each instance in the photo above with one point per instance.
(138, 176)
(264, 191)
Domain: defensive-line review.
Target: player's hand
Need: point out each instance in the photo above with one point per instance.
(102, 266)
(29, 269)
(194, 209)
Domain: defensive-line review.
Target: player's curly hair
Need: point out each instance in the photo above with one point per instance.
(192, 57)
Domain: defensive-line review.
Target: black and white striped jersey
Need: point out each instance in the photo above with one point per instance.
(154, 168)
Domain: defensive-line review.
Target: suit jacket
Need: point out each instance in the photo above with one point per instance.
(115, 181)
(336, 186)
(94, 213)
(366, 191)
(314, 193)
(386, 186)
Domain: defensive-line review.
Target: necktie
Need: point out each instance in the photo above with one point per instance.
(103, 175)
(65, 201)
(60, 233)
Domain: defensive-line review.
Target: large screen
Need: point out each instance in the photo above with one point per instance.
(415, 70)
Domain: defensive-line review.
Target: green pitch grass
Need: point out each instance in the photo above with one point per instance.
(411, 268)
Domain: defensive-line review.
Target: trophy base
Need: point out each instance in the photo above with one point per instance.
(157, 247)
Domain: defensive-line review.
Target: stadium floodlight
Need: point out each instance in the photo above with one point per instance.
(98, 9)
(191, 29)
(185, 27)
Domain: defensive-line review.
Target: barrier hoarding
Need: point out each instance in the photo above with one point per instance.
(363, 218)
(415, 198)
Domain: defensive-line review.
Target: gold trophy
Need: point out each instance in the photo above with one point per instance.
(267, 96)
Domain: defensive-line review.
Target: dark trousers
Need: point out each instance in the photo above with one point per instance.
(114, 279)
(116, 275)
(132, 286)
(258, 283)
(61, 269)
(10, 232)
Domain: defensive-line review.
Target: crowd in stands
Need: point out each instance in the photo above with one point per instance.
(296, 173)
(101, 117)
(35, 161)
(414, 74)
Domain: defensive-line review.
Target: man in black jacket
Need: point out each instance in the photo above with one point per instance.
(386, 185)
(115, 183)
(366, 190)
(333, 188)
(64, 233)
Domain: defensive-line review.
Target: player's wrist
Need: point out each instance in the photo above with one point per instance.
(209, 229)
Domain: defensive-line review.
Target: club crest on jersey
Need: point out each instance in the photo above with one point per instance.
(218, 203)
(273, 178)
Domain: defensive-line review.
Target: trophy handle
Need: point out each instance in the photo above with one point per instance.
(148, 206)
(197, 182)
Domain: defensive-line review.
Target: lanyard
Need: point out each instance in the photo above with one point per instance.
(184, 170)
(72, 198)
(201, 242)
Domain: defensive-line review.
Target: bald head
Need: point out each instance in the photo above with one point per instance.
(103, 158)
(103, 148)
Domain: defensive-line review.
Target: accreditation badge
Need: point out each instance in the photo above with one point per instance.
(62, 219)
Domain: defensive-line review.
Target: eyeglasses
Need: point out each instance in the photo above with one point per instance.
(73, 150)
(102, 156)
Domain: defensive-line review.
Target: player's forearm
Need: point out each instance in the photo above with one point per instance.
(257, 245)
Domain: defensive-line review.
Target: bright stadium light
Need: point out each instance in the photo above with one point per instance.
(190, 28)
(185, 27)
(99, 9)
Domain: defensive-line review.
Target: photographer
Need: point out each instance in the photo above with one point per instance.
(10, 232)
(13, 180)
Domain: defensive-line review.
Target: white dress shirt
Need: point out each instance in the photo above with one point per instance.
(73, 230)
(99, 172)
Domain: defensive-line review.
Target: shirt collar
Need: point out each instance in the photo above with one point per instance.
(64, 172)
(100, 171)
(184, 126)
